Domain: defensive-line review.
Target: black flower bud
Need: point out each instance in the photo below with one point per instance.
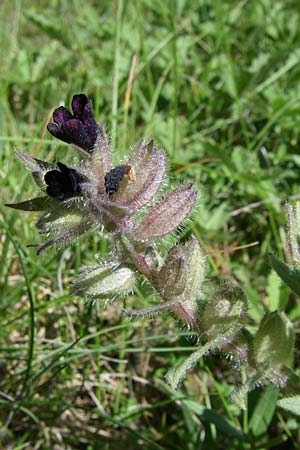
(114, 177)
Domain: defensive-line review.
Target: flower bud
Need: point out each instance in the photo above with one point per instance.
(196, 262)
(223, 314)
(173, 276)
(181, 279)
(104, 281)
(64, 224)
(273, 344)
(183, 271)
(147, 171)
(58, 219)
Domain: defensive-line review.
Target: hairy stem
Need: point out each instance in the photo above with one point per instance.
(151, 310)
(176, 375)
(137, 258)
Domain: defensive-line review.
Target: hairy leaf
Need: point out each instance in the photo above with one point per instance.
(35, 204)
(168, 214)
(106, 280)
(289, 274)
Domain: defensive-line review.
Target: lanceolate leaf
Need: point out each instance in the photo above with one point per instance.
(167, 215)
(263, 411)
(148, 165)
(35, 204)
(196, 261)
(35, 164)
(289, 274)
(67, 235)
(101, 157)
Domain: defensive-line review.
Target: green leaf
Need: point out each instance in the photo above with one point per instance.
(264, 411)
(274, 289)
(224, 313)
(217, 218)
(52, 26)
(289, 274)
(273, 343)
(291, 404)
(223, 425)
(104, 281)
(35, 204)
(211, 416)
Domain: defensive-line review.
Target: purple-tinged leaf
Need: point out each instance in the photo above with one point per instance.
(179, 282)
(168, 214)
(101, 162)
(196, 262)
(107, 212)
(148, 165)
(34, 164)
(68, 234)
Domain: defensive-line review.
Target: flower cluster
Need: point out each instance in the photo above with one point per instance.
(77, 199)
(128, 201)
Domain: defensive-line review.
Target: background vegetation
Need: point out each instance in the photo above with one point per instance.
(217, 85)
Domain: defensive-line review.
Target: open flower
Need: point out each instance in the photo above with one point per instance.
(79, 128)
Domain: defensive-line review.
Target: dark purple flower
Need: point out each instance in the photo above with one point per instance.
(63, 183)
(79, 128)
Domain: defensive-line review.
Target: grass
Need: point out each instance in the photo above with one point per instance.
(217, 85)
